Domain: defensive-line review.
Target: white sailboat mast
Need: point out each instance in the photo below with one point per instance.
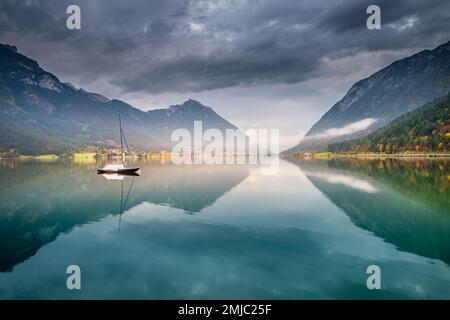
(121, 141)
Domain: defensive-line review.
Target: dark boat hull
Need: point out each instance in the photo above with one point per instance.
(127, 171)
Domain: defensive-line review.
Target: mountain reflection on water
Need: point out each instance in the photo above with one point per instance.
(40, 200)
(226, 232)
(405, 202)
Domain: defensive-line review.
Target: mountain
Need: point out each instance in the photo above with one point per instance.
(184, 115)
(373, 102)
(41, 114)
(424, 129)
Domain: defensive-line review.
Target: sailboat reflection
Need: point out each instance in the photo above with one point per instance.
(123, 202)
(119, 176)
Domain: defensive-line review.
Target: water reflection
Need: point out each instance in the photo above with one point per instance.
(404, 202)
(123, 203)
(41, 200)
(308, 232)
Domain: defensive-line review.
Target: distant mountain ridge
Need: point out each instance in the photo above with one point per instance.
(389, 93)
(41, 114)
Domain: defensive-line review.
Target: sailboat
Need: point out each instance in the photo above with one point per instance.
(119, 169)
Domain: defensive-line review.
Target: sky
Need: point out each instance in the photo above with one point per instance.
(258, 63)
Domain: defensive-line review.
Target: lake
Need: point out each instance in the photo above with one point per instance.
(226, 232)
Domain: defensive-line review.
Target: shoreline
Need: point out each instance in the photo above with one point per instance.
(329, 155)
(396, 155)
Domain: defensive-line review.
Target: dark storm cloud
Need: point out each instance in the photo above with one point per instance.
(190, 46)
(430, 24)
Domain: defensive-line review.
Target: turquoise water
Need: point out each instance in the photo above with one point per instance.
(213, 232)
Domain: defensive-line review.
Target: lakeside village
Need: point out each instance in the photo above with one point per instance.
(87, 156)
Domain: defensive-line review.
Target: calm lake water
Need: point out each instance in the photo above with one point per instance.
(213, 232)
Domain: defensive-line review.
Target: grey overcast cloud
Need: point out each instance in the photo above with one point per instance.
(261, 63)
